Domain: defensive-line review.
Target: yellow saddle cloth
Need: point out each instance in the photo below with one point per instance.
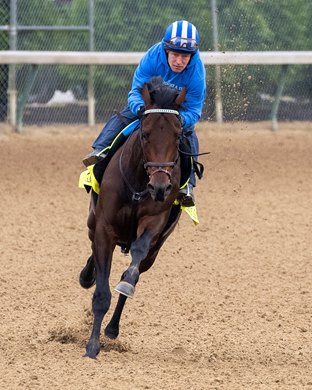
(88, 181)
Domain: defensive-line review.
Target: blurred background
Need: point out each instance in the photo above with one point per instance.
(59, 93)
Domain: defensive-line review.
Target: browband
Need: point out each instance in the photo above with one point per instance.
(160, 111)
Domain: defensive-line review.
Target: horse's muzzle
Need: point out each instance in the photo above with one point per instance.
(159, 192)
(159, 174)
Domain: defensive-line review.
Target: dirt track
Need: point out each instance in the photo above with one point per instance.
(227, 305)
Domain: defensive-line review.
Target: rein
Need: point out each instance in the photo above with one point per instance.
(136, 196)
(191, 154)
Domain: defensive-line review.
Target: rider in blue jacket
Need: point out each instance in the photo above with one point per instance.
(177, 61)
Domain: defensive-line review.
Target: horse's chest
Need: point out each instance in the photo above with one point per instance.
(128, 217)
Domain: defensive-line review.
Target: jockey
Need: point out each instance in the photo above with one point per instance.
(177, 61)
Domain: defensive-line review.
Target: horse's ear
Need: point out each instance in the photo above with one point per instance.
(146, 95)
(181, 97)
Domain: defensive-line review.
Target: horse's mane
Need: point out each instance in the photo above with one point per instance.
(162, 94)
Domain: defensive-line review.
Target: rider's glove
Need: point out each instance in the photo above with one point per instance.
(140, 112)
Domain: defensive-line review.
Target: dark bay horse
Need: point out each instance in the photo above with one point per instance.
(134, 208)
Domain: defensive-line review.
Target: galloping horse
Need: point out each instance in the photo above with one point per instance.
(134, 208)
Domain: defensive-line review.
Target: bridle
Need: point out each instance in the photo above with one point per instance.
(160, 167)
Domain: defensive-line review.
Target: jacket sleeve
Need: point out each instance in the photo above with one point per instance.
(195, 96)
(142, 74)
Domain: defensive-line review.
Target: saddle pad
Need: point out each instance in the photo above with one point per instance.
(190, 211)
(88, 181)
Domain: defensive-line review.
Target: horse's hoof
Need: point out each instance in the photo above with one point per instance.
(111, 333)
(86, 283)
(125, 288)
(88, 356)
(87, 274)
(92, 349)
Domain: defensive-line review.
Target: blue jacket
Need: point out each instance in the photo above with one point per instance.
(193, 77)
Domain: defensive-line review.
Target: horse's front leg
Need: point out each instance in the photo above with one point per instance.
(101, 298)
(112, 329)
(139, 251)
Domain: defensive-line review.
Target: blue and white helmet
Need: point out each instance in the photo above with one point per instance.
(181, 36)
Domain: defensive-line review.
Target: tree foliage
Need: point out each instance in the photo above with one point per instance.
(131, 25)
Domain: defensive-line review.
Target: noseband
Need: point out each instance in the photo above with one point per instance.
(160, 167)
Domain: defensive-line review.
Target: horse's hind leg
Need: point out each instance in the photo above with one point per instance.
(87, 275)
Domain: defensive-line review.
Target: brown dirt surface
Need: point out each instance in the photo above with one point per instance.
(227, 304)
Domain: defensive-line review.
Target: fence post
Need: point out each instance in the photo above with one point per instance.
(91, 99)
(23, 95)
(12, 93)
(218, 97)
(278, 96)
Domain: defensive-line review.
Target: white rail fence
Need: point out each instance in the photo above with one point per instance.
(126, 58)
(36, 58)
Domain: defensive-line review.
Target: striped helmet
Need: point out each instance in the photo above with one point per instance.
(181, 36)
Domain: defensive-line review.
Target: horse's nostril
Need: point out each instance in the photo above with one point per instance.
(150, 187)
(169, 187)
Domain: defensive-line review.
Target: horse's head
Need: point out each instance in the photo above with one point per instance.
(160, 135)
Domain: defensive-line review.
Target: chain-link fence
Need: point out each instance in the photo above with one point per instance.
(59, 92)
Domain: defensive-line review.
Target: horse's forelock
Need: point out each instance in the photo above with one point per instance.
(162, 95)
(165, 97)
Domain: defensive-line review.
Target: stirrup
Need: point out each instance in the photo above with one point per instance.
(93, 157)
(186, 196)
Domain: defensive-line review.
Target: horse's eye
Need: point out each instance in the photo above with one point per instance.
(144, 136)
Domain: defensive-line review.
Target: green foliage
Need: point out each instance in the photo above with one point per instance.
(4, 21)
(259, 25)
(46, 13)
(132, 25)
(4, 45)
(135, 26)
